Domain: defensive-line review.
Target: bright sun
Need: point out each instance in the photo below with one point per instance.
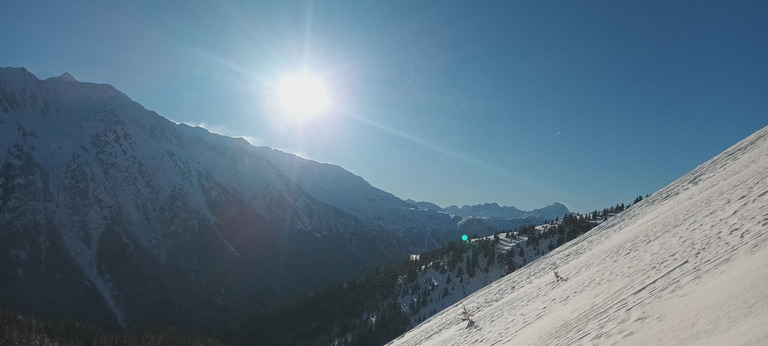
(303, 95)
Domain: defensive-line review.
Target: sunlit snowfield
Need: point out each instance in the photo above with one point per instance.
(686, 266)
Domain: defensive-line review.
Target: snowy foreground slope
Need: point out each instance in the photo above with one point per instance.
(689, 265)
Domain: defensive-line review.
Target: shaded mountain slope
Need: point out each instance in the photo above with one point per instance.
(425, 225)
(115, 216)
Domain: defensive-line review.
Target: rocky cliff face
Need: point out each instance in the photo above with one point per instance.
(113, 215)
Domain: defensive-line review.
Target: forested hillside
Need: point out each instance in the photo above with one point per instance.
(392, 300)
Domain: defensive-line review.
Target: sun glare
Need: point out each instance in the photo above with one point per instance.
(303, 95)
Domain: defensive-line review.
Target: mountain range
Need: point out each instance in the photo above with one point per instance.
(425, 225)
(493, 210)
(113, 215)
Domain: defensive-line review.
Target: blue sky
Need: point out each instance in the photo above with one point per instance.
(523, 103)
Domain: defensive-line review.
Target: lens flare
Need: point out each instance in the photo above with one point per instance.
(303, 95)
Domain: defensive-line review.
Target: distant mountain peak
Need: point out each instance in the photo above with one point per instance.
(65, 77)
(425, 205)
(494, 210)
(21, 70)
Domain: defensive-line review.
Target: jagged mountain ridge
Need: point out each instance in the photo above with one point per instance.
(493, 210)
(684, 266)
(113, 215)
(424, 224)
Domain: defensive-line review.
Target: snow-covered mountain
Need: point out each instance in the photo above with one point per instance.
(686, 266)
(377, 209)
(425, 225)
(113, 215)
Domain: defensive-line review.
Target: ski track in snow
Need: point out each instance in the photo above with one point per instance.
(688, 265)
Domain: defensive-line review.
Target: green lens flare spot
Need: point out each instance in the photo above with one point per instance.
(464, 237)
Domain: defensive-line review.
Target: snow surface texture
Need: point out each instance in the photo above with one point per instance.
(687, 265)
